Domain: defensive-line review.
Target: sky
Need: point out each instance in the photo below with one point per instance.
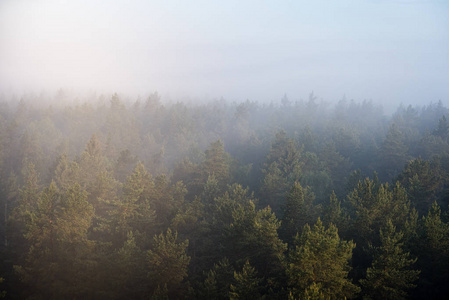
(391, 52)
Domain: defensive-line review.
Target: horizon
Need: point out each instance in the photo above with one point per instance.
(390, 52)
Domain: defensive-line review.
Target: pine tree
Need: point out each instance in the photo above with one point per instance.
(130, 273)
(59, 260)
(443, 129)
(423, 181)
(393, 153)
(217, 164)
(133, 212)
(21, 215)
(168, 262)
(321, 260)
(66, 173)
(281, 169)
(372, 206)
(91, 163)
(297, 211)
(390, 275)
(246, 285)
(333, 213)
(218, 281)
(432, 247)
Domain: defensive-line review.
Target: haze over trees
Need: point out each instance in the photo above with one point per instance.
(112, 198)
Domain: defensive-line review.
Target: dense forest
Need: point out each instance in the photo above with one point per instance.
(106, 197)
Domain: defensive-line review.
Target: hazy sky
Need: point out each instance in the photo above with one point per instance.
(388, 51)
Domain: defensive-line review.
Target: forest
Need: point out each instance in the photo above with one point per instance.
(109, 197)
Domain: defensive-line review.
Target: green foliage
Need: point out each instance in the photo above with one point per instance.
(246, 284)
(160, 293)
(66, 173)
(393, 152)
(334, 214)
(91, 163)
(298, 210)
(431, 243)
(129, 271)
(443, 129)
(83, 218)
(254, 236)
(168, 262)
(390, 276)
(218, 281)
(282, 168)
(133, 211)
(436, 231)
(319, 264)
(239, 232)
(217, 163)
(58, 258)
(423, 181)
(373, 205)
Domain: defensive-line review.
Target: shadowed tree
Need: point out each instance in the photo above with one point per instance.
(393, 152)
(168, 263)
(246, 285)
(432, 247)
(423, 180)
(281, 169)
(372, 206)
(217, 282)
(217, 163)
(298, 210)
(443, 129)
(390, 275)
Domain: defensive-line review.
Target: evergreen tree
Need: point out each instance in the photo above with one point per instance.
(443, 129)
(217, 283)
(282, 168)
(124, 165)
(9, 192)
(130, 272)
(166, 200)
(393, 153)
(59, 261)
(372, 206)
(239, 232)
(246, 284)
(91, 163)
(21, 214)
(168, 263)
(217, 163)
(423, 181)
(298, 210)
(320, 262)
(432, 247)
(390, 275)
(133, 212)
(66, 173)
(333, 213)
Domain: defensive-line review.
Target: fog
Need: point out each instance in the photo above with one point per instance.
(389, 51)
(232, 150)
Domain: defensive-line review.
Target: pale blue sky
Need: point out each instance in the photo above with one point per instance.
(388, 51)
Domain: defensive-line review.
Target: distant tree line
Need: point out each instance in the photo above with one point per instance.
(109, 198)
